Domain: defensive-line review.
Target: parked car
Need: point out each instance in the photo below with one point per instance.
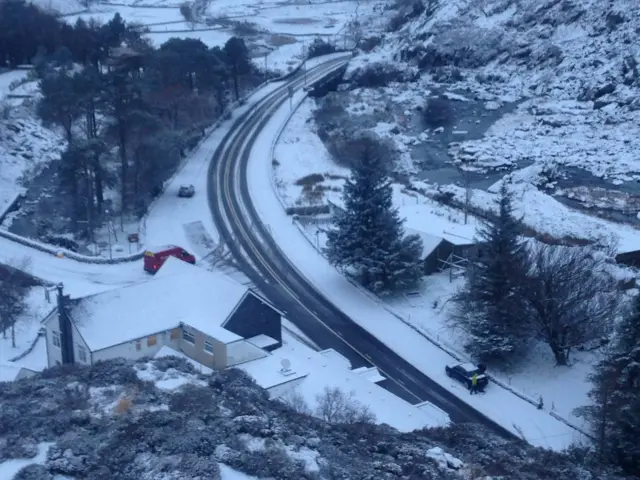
(186, 191)
(155, 257)
(463, 372)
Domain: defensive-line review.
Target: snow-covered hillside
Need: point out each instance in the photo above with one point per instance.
(25, 147)
(163, 419)
(552, 85)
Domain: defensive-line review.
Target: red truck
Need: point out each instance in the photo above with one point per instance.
(155, 257)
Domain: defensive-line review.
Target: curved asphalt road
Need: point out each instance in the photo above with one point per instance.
(269, 269)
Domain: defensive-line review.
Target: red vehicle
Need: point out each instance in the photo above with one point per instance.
(155, 257)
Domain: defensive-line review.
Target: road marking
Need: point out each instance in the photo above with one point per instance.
(269, 104)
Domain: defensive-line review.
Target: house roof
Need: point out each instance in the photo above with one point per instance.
(178, 293)
(429, 242)
(9, 371)
(434, 220)
(310, 372)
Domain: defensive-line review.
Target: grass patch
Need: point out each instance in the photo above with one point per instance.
(280, 40)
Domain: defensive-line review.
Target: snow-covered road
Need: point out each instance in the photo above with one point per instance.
(79, 278)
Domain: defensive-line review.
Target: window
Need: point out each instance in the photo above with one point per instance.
(82, 354)
(175, 334)
(151, 341)
(188, 337)
(55, 338)
(138, 345)
(208, 347)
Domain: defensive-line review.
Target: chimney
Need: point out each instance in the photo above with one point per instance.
(64, 322)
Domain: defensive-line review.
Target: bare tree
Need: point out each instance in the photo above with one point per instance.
(573, 299)
(12, 296)
(186, 9)
(296, 401)
(335, 406)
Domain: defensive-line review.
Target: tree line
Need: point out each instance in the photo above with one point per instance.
(129, 111)
(521, 291)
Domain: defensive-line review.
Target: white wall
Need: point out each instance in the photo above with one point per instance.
(129, 350)
(243, 351)
(54, 354)
(283, 389)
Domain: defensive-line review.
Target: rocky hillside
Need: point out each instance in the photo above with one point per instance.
(163, 420)
(571, 49)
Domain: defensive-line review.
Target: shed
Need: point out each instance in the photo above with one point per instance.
(437, 250)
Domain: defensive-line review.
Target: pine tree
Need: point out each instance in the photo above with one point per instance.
(488, 307)
(368, 239)
(615, 411)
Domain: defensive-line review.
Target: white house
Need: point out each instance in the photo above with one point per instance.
(206, 315)
(297, 368)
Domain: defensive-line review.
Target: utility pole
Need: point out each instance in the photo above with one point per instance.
(304, 53)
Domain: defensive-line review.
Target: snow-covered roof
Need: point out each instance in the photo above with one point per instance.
(468, 367)
(263, 341)
(9, 371)
(310, 372)
(429, 242)
(434, 220)
(179, 292)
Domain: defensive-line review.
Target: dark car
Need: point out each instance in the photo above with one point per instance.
(186, 191)
(463, 372)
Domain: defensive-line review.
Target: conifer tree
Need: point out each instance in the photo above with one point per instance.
(368, 239)
(614, 414)
(488, 307)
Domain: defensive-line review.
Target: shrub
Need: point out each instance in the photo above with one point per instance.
(380, 74)
(35, 471)
(369, 43)
(320, 47)
(437, 112)
(335, 406)
(191, 398)
(246, 28)
(177, 363)
(310, 180)
(407, 12)
(296, 401)
(16, 446)
(123, 406)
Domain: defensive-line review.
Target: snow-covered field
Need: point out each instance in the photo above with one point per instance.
(63, 7)
(283, 29)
